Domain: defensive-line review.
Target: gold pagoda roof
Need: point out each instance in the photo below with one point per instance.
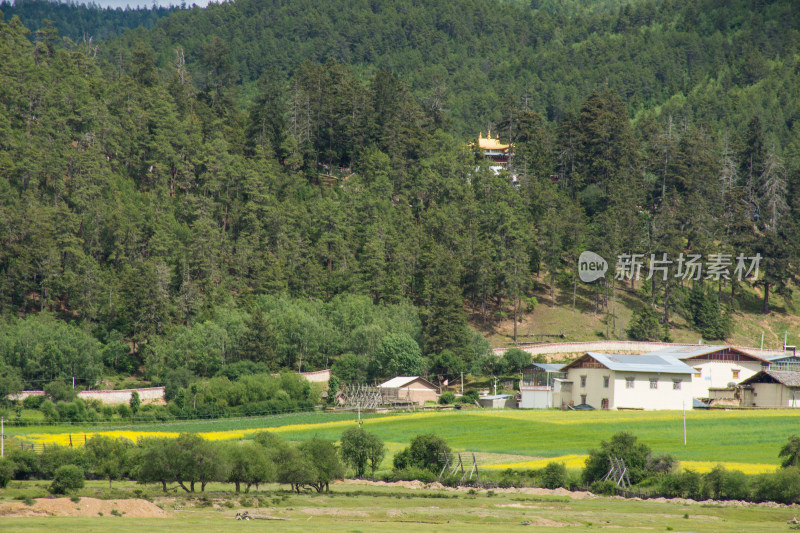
(489, 143)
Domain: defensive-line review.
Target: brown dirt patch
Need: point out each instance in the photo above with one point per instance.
(332, 511)
(575, 495)
(85, 507)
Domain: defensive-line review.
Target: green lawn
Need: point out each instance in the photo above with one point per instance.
(363, 508)
(732, 436)
(192, 425)
(752, 437)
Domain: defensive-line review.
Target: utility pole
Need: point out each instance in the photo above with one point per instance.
(462, 383)
(495, 385)
(73, 382)
(684, 422)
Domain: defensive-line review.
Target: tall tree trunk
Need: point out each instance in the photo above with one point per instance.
(574, 289)
(516, 302)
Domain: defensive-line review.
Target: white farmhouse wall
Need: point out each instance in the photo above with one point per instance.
(536, 399)
(593, 389)
(717, 374)
(642, 396)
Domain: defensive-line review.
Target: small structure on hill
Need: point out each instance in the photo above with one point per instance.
(414, 389)
(497, 153)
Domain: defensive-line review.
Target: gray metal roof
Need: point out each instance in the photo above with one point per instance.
(784, 377)
(774, 358)
(665, 364)
(548, 367)
(697, 350)
(692, 350)
(402, 381)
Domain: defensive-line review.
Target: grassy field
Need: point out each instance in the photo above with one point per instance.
(746, 440)
(362, 508)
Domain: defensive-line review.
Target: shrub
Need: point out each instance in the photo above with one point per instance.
(661, 464)
(412, 473)
(447, 397)
(7, 468)
(67, 478)
(471, 396)
(603, 487)
(624, 446)
(32, 402)
(58, 391)
(516, 359)
(723, 484)
(554, 475)
(360, 448)
(426, 451)
(686, 484)
(783, 486)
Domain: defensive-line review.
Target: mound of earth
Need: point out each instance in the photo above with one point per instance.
(84, 507)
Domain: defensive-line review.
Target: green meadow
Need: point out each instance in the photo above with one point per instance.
(358, 508)
(751, 437)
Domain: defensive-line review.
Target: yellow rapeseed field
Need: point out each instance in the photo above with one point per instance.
(77, 439)
(579, 461)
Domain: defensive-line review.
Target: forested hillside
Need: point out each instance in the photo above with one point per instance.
(289, 183)
(80, 21)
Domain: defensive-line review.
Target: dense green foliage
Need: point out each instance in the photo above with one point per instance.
(426, 452)
(81, 21)
(360, 448)
(67, 478)
(165, 199)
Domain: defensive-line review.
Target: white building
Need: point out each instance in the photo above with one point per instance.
(414, 389)
(617, 381)
(715, 366)
(539, 383)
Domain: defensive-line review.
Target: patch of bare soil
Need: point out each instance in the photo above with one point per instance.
(536, 521)
(576, 495)
(84, 507)
(332, 511)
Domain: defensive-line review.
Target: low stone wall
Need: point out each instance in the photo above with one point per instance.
(320, 376)
(616, 346)
(112, 397)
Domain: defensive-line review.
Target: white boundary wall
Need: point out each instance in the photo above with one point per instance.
(616, 346)
(149, 394)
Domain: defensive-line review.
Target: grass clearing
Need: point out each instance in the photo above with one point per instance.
(745, 440)
(352, 507)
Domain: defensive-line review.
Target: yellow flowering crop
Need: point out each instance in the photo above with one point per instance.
(78, 439)
(570, 461)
